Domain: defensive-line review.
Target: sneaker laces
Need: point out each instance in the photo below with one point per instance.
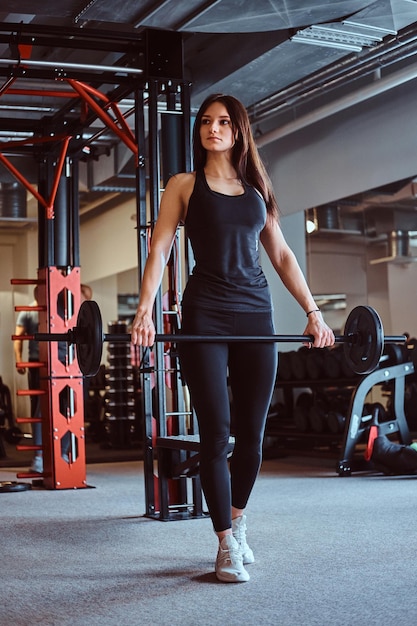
(231, 554)
(239, 531)
(229, 563)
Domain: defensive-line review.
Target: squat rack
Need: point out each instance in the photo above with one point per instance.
(149, 67)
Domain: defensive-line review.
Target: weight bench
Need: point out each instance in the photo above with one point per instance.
(357, 424)
(178, 458)
(179, 455)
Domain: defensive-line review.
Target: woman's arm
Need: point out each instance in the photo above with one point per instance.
(18, 347)
(286, 265)
(171, 213)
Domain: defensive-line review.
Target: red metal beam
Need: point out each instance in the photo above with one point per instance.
(47, 204)
(22, 180)
(110, 104)
(124, 133)
(58, 172)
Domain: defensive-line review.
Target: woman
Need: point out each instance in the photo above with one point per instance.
(227, 206)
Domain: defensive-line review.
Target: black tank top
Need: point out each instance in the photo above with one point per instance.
(224, 235)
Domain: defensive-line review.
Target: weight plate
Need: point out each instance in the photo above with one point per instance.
(331, 364)
(365, 350)
(336, 422)
(317, 419)
(395, 354)
(314, 361)
(89, 338)
(298, 363)
(9, 486)
(345, 366)
(301, 421)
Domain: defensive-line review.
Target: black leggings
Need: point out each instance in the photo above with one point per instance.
(250, 368)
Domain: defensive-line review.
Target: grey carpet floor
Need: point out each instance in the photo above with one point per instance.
(329, 551)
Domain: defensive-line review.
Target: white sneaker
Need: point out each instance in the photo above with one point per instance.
(239, 533)
(37, 465)
(229, 562)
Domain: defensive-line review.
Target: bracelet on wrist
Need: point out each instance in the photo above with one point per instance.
(313, 311)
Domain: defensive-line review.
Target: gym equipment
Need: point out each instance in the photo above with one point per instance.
(336, 422)
(331, 364)
(359, 421)
(363, 339)
(317, 416)
(392, 458)
(14, 435)
(119, 400)
(303, 404)
(297, 362)
(173, 464)
(157, 93)
(7, 486)
(314, 363)
(11, 433)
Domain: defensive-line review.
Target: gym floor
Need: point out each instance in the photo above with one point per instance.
(329, 551)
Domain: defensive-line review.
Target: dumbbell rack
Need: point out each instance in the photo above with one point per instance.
(120, 413)
(358, 419)
(283, 427)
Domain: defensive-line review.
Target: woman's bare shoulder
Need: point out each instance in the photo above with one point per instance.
(182, 180)
(181, 186)
(177, 193)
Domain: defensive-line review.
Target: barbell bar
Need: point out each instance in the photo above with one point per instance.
(363, 338)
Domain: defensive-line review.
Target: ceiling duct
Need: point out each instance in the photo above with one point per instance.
(323, 219)
(327, 218)
(331, 220)
(398, 243)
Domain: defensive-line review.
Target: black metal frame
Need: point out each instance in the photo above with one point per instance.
(167, 498)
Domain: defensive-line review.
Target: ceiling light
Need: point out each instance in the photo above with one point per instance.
(299, 38)
(25, 108)
(338, 36)
(311, 226)
(376, 29)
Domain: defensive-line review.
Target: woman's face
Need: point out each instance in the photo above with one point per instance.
(216, 132)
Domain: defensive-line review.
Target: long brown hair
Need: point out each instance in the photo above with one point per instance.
(245, 156)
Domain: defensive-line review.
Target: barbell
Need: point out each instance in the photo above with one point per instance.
(363, 338)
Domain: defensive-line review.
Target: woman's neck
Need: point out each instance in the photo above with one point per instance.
(225, 183)
(220, 168)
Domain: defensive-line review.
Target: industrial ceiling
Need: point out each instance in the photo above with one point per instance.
(281, 58)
